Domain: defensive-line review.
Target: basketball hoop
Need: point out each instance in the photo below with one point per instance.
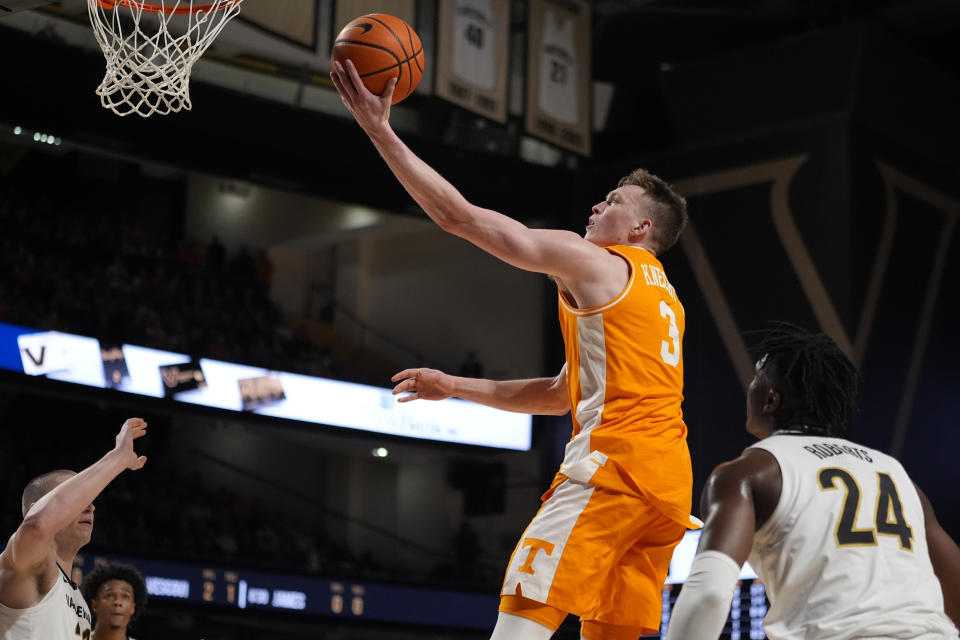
(151, 48)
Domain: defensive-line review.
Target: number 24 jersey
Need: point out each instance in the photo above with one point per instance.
(844, 554)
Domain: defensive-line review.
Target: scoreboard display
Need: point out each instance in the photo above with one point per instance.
(302, 594)
(362, 600)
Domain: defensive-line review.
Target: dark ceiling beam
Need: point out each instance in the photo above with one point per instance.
(51, 89)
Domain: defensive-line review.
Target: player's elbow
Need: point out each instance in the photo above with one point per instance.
(39, 524)
(447, 222)
(452, 217)
(461, 218)
(558, 404)
(557, 400)
(558, 408)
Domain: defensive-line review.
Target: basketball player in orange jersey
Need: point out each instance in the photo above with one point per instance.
(845, 544)
(38, 601)
(601, 544)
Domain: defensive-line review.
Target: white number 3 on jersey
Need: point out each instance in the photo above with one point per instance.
(670, 351)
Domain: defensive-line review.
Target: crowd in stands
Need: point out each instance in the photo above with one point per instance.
(193, 522)
(72, 267)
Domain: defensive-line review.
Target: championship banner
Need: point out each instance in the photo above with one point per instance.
(472, 55)
(347, 10)
(558, 73)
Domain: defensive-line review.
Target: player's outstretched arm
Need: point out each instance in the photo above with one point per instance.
(29, 557)
(540, 396)
(945, 557)
(730, 514)
(560, 253)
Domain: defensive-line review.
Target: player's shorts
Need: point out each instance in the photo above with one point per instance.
(597, 554)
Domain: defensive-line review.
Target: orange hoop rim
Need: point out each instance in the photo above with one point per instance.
(162, 8)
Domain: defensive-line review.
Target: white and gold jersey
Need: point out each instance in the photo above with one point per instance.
(844, 554)
(62, 614)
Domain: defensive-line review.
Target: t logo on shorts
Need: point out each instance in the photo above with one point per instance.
(535, 545)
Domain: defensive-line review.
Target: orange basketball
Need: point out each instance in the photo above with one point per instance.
(381, 47)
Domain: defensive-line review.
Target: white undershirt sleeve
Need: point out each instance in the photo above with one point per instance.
(704, 602)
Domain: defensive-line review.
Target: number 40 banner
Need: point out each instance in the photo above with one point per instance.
(558, 73)
(472, 55)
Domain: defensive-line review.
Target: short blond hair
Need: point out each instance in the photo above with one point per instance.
(42, 485)
(668, 208)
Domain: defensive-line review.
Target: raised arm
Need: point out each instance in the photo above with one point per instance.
(540, 396)
(554, 252)
(28, 563)
(945, 557)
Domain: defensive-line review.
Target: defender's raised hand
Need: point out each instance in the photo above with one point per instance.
(131, 430)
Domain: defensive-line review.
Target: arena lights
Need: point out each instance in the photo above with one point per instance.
(40, 137)
(380, 452)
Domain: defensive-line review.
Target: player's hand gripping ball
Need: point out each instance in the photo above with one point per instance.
(381, 47)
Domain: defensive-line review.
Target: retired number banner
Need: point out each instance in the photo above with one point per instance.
(558, 73)
(472, 55)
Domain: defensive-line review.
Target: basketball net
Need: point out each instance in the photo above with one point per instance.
(150, 50)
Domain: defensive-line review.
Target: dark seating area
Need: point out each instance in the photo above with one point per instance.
(168, 511)
(74, 262)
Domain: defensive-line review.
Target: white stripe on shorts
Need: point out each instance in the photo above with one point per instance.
(553, 523)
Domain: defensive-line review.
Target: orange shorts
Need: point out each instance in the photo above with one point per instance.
(600, 555)
(553, 618)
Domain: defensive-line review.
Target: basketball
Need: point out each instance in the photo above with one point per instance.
(381, 47)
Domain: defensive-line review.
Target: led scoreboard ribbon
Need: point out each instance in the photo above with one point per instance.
(227, 386)
(362, 600)
(261, 590)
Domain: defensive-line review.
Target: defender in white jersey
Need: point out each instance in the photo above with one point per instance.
(117, 594)
(844, 542)
(38, 601)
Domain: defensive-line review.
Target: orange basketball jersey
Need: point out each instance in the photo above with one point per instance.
(625, 380)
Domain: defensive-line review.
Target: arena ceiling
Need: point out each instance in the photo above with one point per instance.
(635, 43)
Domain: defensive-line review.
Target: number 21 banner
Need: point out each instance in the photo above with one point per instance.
(472, 55)
(558, 73)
